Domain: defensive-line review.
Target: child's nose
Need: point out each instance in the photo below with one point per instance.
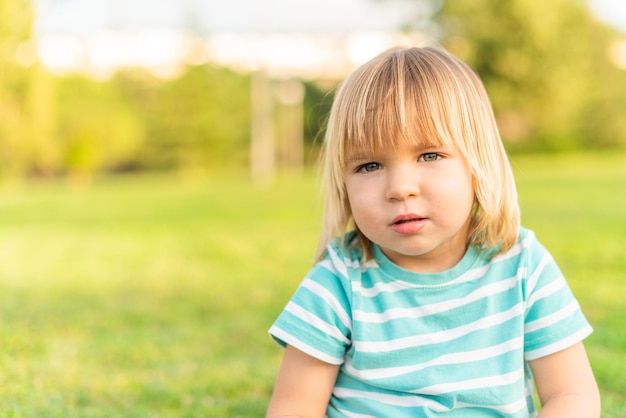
(403, 184)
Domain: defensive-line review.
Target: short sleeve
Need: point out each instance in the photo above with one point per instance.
(553, 318)
(317, 319)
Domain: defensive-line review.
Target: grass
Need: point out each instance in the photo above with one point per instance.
(577, 206)
(152, 296)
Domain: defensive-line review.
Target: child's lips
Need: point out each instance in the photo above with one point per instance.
(408, 224)
(408, 217)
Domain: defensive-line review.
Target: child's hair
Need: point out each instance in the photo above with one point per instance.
(425, 96)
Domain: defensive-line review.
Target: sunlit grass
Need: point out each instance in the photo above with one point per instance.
(151, 297)
(577, 206)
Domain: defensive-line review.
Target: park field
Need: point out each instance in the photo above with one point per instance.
(151, 296)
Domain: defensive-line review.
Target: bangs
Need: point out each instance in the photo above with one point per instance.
(397, 105)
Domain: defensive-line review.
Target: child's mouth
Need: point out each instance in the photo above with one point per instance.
(403, 221)
(408, 217)
(408, 224)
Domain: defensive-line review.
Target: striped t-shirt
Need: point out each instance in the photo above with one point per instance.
(454, 343)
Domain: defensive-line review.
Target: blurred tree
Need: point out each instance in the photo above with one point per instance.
(193, 122)
(546, 68)
(40, 154)
(25, 96)
(97, 129)
(317, 103)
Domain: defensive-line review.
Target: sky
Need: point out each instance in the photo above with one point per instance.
(284, 35)
(96, 34)
(210, 16)
(612, 12)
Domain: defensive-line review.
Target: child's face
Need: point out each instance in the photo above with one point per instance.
(415, 202)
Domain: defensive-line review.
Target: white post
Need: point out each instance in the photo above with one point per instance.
(262, 146)
(290, 96)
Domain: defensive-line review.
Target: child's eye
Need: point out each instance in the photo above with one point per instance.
(429, 156)
(368, 168)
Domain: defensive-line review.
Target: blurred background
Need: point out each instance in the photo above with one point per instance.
(158, 196)
(109, 86)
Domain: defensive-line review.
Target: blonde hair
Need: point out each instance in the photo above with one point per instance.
(420, 95)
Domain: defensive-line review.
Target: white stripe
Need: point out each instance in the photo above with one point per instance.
(328, 265)
(509, 408)
(337, 263)
(515, 250)
(302, 346)
(465, 385)
(532, 281)
(433, 308)
(396, 400)
(441, 336)
(330, 299)
(380, 287)
(545, 291)
(553, 318)
(369, 264)
(338, 266)
(453, 358)
(399, 285)
(349, 414)
(316, 322)
(356, 264)
(559, 345)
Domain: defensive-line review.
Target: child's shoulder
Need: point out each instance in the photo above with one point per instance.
(529, 245)
(345, 251)
(527, 238)
(525, 234)
(525, 241)
(346, 246)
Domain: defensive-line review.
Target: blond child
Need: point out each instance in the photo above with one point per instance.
(428, 298)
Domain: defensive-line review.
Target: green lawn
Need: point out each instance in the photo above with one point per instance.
(151, 297)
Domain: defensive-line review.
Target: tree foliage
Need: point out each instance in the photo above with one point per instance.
(96, 128)
(24, 93)
(546, 67)
(197, 120)
(136, 121)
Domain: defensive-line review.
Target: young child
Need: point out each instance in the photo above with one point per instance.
(437, 303)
